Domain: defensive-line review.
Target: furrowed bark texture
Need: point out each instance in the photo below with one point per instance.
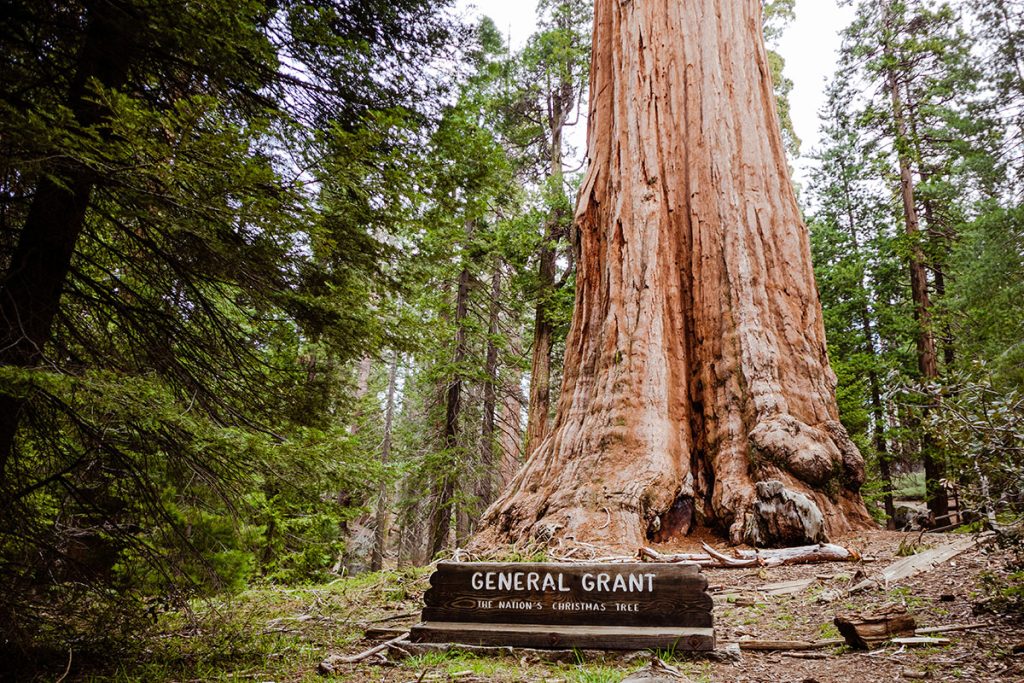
(697, 389)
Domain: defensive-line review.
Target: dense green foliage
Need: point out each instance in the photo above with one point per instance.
(233, 170)
(952, 74)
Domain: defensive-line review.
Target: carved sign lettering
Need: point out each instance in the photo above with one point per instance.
(581, 605)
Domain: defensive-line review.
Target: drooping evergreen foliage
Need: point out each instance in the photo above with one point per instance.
(197, 199)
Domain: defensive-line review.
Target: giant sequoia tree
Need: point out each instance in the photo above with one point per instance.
(697, 389)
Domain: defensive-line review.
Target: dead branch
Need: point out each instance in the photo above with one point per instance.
(712, 558)
(917, 564)
(330, 665)
(788, 645)
(950, 629)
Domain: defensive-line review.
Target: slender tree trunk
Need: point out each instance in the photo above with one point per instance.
(488, 437)
(380, 532)
(543, 331)
(440, 525)
(934, 229)
(877, 409)
(696, 386)
(31, 289)
(927, 360)
(510, 422)
(540, 364)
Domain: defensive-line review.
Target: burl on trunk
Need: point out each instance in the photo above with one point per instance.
(697, 389)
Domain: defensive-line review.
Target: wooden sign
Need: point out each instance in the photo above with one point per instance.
(600, 606)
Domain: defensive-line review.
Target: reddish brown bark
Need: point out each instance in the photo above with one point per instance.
(927, 359)
(695, 366)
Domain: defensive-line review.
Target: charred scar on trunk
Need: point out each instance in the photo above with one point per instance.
(674, 523)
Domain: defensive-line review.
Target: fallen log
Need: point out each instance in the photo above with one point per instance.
(772, 557)
(805, 655)
(787, 645)
(867, 631)
(920, 641)
(917, 564)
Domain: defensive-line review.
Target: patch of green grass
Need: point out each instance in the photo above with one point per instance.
(907, 597)
(584, 673)
(828, 632)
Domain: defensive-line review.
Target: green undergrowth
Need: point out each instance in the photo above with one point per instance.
(282, 633)
(264, 633)
(456, 664)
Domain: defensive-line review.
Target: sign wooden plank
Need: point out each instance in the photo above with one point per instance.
(561, 637)
(568, 605)
(611, 595)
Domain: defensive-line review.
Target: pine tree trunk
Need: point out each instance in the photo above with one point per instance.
(510, 424)
(927, 360)
(488, 435)
(697, 388)
(540, 364)
(877, 409)
(380, 531)
(440, 521)
(31, 289)
(543, 331)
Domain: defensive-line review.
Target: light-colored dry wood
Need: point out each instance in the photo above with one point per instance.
(695, 368)
(330, 666)
(755, 558)
(920, 641)
(916, 564)
(949, 629)
(787, 587)
(788, 645)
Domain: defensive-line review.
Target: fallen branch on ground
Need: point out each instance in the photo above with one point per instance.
(712, 558)
(949, 629)
(328, 667)
(788, 645)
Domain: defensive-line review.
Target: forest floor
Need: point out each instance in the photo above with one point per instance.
(280, 635)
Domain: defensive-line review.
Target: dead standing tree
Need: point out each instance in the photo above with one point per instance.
(697, 389)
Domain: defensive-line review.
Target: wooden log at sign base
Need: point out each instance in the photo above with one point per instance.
(593, 606)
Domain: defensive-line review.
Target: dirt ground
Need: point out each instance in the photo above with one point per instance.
(952, 594)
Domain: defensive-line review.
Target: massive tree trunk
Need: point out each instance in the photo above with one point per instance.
(697, 388)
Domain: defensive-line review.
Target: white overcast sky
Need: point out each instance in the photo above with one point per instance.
(809, 47)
